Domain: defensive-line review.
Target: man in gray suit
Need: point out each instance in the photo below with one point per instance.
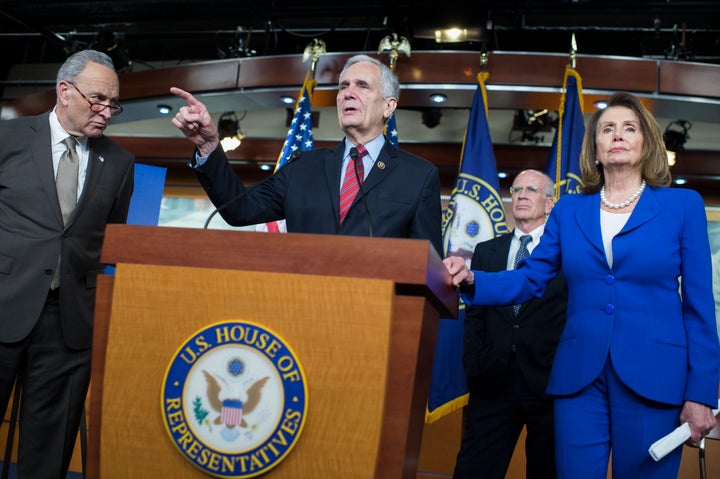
(50, 254)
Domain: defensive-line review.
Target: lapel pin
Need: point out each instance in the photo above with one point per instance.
(101, 158)
(381, 165)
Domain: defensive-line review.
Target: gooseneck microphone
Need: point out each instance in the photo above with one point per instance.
(353, 156)
(294, 156)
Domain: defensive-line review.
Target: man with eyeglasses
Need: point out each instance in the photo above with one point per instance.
(509, 350)
(61, 182)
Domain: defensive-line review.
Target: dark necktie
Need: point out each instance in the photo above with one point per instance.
(350, 185)
(521, 254)
(66, 183)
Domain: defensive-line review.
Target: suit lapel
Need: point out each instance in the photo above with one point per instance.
(332, 163)
(385, 163)
(95, 167)
(587, 219)
(646, 209)
(41, 152)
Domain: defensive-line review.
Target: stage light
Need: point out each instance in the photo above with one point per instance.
(675, 136)
(431, 117)
(229, 131)
(528, 126)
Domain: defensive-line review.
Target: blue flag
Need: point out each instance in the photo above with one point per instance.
(391, 130)
(146, 200)
(564, 162)
(147, 195)
(475, 214)
(299, 138)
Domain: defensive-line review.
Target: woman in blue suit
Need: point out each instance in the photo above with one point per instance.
(639, 354)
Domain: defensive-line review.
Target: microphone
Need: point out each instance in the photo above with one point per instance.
(294, 156)
(353, 157)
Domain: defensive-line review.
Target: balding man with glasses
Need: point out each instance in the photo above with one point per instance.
(61, 182)
(509, 350)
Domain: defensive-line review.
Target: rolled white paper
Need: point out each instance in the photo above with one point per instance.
(662, 447)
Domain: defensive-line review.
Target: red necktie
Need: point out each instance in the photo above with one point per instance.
(350, 185)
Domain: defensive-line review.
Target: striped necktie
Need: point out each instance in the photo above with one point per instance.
(350, 186)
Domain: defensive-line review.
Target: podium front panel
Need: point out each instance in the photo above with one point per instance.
(338, 328)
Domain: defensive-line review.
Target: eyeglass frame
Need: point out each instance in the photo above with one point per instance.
(115, 108)
(520, 189)
(530, 189)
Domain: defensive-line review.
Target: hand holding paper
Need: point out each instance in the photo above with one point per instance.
(662, 447)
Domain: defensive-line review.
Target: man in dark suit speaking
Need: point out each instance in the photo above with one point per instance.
(397, 195)
(509, 350)
(61, 182)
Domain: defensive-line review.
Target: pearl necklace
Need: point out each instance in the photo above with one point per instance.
(618, 206)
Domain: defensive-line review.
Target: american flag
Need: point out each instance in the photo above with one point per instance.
(299, 137)
(391, 131)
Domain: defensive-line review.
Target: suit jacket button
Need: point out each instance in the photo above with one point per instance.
(48, 272)
(609, 308)
(609, 279)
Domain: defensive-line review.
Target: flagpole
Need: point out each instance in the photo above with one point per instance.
(475, 213)
(569, 70)
(299, 137)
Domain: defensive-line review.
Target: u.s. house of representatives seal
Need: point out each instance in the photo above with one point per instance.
(234, 399)
(475, 214)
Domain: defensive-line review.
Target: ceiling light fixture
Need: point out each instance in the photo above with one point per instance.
(438, 98)
(229, 130)
(456, 35)
(287, 99)
(600, 104)
(164, 109)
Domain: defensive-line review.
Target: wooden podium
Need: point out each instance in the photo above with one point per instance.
(360, 313)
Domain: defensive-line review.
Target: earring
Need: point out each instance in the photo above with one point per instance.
(597, 162)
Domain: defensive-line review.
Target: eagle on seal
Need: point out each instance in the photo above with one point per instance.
(232, 409)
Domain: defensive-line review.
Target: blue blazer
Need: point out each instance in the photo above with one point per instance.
(662, 339)
(402, 193)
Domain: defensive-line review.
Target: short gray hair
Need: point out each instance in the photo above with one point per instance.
(77, 62)
(389, 84)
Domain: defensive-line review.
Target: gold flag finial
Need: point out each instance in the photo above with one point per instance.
(395, 46)
(573, 51)
(313, 50)
(483, 59)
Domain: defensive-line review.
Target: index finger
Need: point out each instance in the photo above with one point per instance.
(191, 100)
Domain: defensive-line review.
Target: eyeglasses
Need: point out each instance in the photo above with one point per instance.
(520, 189)
(98, 106)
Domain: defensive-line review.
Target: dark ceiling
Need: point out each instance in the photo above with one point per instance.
(145, 31)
